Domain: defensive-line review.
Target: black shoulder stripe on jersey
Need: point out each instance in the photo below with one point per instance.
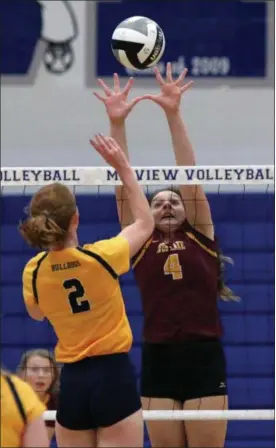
(17, 399)
(134, 258)
(203, 246)
(35, 273)
(211, 244)
(138, 257)
(100, 260)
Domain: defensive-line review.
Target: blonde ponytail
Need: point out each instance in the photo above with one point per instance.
(41, 231)
(49, 217)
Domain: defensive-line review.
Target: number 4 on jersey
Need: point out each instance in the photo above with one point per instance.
(74, 296)
(173, 267)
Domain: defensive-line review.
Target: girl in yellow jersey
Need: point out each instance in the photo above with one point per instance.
(77, 289)
(22, 423)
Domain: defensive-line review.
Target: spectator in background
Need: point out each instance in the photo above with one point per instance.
(39, 368)
(22, 423)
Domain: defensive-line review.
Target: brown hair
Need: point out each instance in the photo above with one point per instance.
(49, 217)
(224, 292)
(175, 190)
(42, 353)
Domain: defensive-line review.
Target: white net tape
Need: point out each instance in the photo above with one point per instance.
(159, 175)
(256, 414)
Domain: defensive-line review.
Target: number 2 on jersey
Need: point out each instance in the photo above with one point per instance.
(74, 296)
(173, 267)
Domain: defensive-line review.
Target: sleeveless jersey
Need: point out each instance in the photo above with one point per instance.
(78, 291)
(19, 406)
(178, 282)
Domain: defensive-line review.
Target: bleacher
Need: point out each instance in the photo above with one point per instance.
(245, 230)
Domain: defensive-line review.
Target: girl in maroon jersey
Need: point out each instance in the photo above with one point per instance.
(39, 368)
(178, 272)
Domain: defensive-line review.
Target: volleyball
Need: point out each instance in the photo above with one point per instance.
(138, 43)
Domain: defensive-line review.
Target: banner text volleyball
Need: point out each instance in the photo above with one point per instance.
(96, 176)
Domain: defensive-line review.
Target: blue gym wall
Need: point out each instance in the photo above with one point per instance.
(245, 228)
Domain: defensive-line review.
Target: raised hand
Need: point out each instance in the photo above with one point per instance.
(116, 100)
(110, 151)
(171, 91)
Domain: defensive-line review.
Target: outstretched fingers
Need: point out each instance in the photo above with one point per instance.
(104, 143)
(109, 142)
(169, 72)
(102, 140)
(100, 97)
(186, 86)
(127, 87)
(158, 77)
(116, 81)
(180, 80)
(97, 142)
(181, 77)
(105, 88)
(108, 149)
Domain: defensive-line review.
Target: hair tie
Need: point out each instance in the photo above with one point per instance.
(46, 214)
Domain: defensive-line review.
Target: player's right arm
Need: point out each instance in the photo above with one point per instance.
(118, 108)
(139, 232)
(118, 132)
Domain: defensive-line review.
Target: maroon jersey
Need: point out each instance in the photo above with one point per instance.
(178, 282)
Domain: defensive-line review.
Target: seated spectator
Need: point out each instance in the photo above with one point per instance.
(39, 368)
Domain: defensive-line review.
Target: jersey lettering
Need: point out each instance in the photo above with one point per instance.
(177, 245)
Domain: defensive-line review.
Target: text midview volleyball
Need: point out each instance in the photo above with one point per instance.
(138, 43)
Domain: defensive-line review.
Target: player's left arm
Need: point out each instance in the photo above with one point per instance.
(31, 304)
(196, 204)
(197, 207)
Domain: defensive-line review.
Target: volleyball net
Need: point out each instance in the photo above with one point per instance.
(242, 204)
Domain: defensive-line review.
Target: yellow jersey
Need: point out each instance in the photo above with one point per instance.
(78, 291)
(19, 406)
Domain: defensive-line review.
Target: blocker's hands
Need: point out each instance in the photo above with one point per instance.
(110, 151)
(116, 100)
(171, 91)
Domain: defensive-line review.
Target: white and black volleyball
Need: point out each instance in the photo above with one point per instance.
(138, 43)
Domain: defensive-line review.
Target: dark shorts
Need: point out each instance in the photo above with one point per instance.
(97, 392)
(182, 372)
